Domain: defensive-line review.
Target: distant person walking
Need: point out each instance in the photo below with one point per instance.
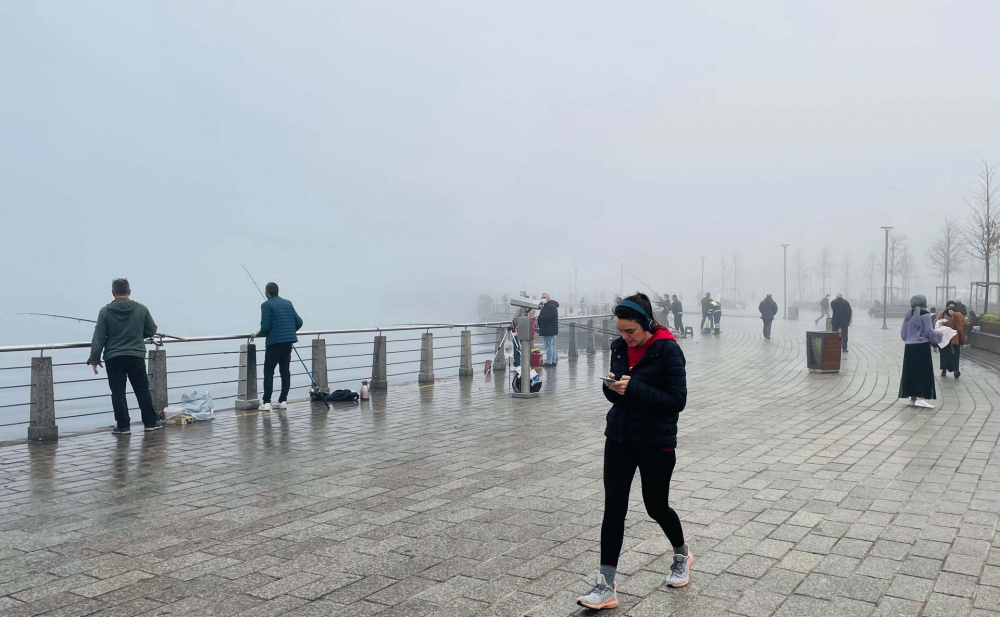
(120, 333)
(842, 317)
(768, 309)
(917, 382)
(647, 394)
(951, 354)
(548, 328)
(706, 311)
(678, 310)
(824, 308)
(278, 322)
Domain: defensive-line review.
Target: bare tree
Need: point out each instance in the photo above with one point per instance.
(737, 261)
(800, 271)
(897, 242)
(846, 265)
(724, 271)
(871, 268)
(983, 231)
(824, 267)
(906, 268)
(944, 256)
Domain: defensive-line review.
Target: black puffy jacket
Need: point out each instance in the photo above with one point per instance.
(548, 319)
(646, 415)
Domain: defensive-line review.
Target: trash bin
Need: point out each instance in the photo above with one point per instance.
(823, 352)
(536, 357)
(793, 312)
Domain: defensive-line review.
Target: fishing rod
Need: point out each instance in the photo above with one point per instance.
(81, 319)
(316, 392)
(656, 293)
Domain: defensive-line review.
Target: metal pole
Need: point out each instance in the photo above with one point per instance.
(885, 282)
(784, 252)
(702, 295)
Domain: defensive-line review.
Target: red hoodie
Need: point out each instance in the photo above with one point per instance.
(636, 353)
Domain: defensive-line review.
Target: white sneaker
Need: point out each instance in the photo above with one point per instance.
(925, 404)
(265, 407)
(280, 405)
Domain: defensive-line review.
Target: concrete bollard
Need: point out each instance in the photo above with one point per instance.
(590, 337)
(380, 379)
(574, 350)
(465, 362)
(426, 358)
(42, 419)
(500, 359)
(246, 388)
(605, 339)
(319, 371)
(156, 369)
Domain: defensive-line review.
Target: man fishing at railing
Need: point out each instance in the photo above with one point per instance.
(121, 330)
(278, 322)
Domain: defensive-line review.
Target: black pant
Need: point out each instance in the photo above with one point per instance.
(767, 328)
(843, 334)
(655, 467)
(279, 354)
(131, 369)
(679, 322)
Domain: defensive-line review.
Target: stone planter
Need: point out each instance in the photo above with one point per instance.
(989, 327)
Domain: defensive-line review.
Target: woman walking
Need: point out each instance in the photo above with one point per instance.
(647, 387)
(951, 354)
(918, 333)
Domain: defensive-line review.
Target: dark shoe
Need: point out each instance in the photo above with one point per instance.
(155, 427)
(958, 374)
(121, 430)
(944, 373)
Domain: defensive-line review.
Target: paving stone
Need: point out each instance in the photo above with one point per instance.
(839, 500)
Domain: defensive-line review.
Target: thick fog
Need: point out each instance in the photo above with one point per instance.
(389, 162)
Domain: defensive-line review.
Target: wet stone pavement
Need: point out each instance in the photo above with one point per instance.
(800, 494)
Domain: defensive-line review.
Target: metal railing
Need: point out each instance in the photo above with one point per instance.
(393, 355)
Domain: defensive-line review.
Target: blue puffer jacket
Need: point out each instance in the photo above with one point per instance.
(278, 321)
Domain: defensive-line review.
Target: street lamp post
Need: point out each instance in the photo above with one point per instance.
(885, 283)
(702, 276)
(784, 257)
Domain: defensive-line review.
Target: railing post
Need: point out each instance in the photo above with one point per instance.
(574, 350)
(319, 365)
(380, 378)
(605, 339)
(426, 358)
(246, 389)
(465, 363)
(42, 419)
(156, 369)
(590, 336)
(500, 359)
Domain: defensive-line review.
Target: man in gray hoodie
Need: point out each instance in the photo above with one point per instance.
(121, 330)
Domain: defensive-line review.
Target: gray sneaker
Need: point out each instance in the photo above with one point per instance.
(680, 571)
(601, 596)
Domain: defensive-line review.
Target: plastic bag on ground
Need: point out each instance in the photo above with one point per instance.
(198, 405)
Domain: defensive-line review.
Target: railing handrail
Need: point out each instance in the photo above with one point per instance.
(235, 337)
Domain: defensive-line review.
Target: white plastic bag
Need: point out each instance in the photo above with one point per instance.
(198, 405)
(946, 335)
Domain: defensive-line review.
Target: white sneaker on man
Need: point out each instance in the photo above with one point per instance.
(265, 407)
(923, 403)
(280, 405)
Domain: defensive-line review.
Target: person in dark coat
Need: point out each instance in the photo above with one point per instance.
(706, 310)
(842, 316)
(678, 310)
(647, 391)
(548, 328)
(824, 308)
(768, 309)
(278, 322)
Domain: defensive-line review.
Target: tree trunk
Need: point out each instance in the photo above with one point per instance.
(986, 303)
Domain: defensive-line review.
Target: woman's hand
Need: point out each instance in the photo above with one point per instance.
(620, 385)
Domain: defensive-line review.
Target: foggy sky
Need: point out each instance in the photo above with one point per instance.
(373, 156)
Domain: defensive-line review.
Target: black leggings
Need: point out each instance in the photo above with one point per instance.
(655, 468)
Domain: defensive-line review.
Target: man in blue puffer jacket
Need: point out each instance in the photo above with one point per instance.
(278, 322)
